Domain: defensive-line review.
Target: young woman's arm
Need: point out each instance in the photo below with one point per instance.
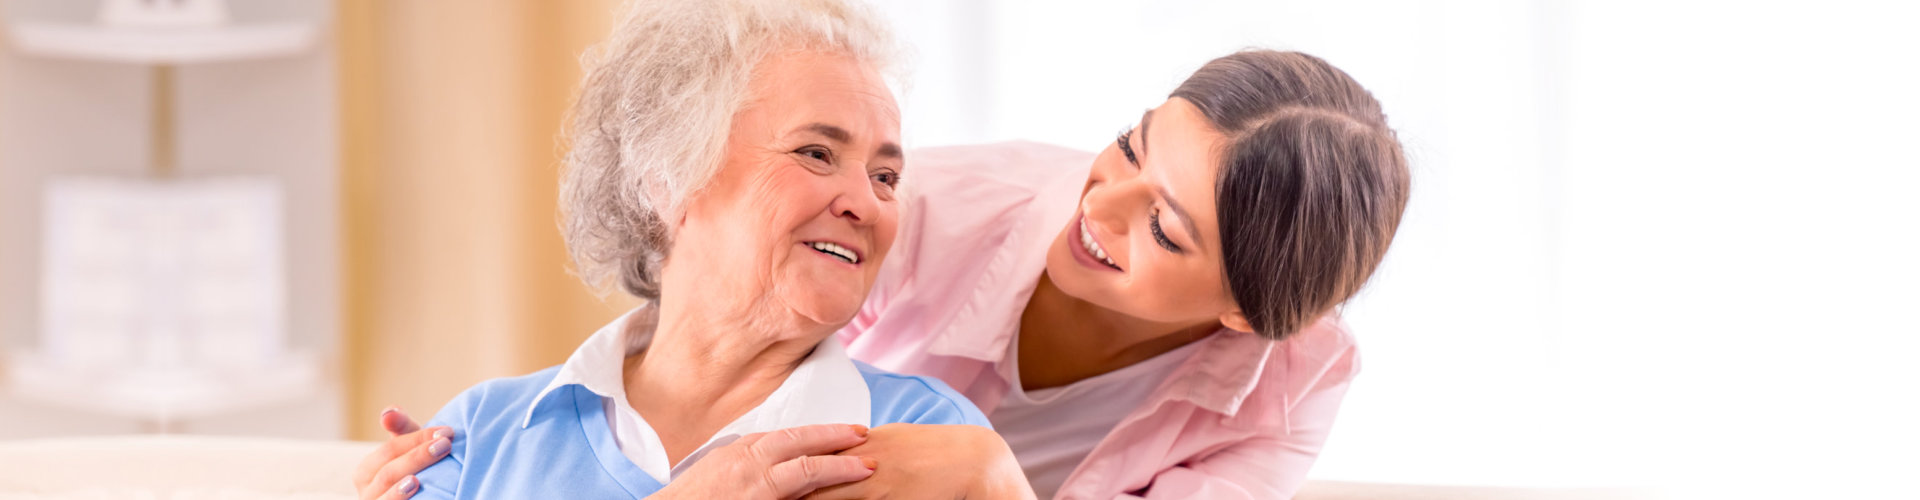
(1268, 466)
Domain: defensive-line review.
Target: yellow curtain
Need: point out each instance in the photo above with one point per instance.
(455, 271)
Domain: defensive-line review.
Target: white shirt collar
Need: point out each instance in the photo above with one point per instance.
(826, 388)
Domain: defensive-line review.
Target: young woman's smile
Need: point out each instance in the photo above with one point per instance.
(1089, 251)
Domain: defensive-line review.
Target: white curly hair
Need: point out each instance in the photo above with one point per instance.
(653, 114)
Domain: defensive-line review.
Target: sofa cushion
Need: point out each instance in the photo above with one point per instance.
(178, 468)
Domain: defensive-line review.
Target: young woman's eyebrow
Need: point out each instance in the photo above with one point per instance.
(1185, 220)
(1145, 119)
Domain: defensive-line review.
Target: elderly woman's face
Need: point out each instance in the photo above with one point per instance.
(797, 220)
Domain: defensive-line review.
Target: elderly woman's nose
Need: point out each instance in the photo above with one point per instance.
(857, 200)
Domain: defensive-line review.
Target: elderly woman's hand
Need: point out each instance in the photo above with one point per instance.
(782, 464)
(935, 461)
(387, 473)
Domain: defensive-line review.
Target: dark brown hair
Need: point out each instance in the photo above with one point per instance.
(1312, 183)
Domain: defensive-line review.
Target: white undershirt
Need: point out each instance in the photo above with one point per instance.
(1052, 430)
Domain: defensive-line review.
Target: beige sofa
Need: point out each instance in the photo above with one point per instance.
(178, 468)
(218, 468)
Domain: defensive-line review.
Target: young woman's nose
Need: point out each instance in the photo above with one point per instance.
(1109, 206)
(1116, 191)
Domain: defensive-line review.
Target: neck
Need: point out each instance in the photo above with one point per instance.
(703, 371)
(1064, 339)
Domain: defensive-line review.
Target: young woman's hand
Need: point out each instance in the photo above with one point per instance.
(935, 461)
(387, 473)
(782, 464)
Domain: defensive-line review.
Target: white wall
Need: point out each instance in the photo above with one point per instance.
(1650, 242)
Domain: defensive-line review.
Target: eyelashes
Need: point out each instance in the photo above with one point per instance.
(1159, 236)
(817, 153)
(822, 154)
(1125, 142)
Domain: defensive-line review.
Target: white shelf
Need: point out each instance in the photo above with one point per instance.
(153, 45)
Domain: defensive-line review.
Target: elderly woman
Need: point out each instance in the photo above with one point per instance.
(734, 164)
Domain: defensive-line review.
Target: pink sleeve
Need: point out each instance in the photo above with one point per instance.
(884, 286)
(1268, 466)
(863, 320)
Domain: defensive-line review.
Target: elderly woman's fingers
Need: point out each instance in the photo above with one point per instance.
(403, 490)
(398, 426)
(800, 476)
(786, 463)
(401, 468)
(400, 456)
(396, 421)
(795, 442)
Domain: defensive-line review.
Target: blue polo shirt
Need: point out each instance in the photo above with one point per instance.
(515, 438)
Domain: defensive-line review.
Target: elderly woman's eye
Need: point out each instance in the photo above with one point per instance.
(817, 153)
(891, 179)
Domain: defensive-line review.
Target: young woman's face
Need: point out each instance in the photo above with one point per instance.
(1145, 241)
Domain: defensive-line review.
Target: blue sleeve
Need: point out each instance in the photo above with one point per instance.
(919, 400)
(956, 410)
(442, 479)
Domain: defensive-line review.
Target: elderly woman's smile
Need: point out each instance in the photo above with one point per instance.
(836, 250)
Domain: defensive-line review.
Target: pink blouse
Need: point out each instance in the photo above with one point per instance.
(1243, 417)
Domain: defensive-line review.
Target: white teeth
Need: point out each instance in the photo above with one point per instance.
(1093, 247)
(837, 251)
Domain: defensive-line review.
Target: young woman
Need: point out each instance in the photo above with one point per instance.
(1158, 320)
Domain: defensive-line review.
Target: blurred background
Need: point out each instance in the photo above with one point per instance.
(1651, 243)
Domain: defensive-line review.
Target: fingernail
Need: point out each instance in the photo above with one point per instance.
(870, 463)
(859, 430)
(390, 409)
(408, 484)
(442, 434)
(439, 447)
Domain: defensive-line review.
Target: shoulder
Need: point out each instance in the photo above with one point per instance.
(1014, 163)
(1320, 359)
(986, 178)
(483, 416)
(958, 207)
(900, 398)
(960, 203)
(1326, 345)
(502, 399)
